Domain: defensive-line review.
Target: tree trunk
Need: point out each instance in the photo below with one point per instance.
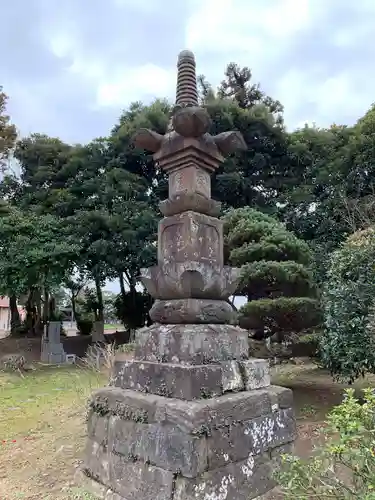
(45, 307)
(74, 306)
(15, 319)
(122, 286)
(38, 321)
(99, 294)
(133, 295)
(123, 295)
(52, 308)
(30, 312)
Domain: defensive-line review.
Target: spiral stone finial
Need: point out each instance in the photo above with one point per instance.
(187, 94)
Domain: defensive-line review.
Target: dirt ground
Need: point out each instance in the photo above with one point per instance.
(42, 424)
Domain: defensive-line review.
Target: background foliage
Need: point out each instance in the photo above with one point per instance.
(74, 216)
(348, 345)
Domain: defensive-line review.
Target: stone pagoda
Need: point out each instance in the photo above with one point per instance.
(192, 417)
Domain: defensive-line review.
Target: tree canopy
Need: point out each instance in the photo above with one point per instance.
(88, 213)
(275, 275)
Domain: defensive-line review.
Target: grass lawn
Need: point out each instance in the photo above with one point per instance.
(42, 432)
(42, 424)
(116, 326)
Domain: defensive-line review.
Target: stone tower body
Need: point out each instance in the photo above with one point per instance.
(192, 417)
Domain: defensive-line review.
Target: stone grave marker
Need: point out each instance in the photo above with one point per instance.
(52, 350)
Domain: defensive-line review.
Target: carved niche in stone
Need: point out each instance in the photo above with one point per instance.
(191, 280)
(191, 236)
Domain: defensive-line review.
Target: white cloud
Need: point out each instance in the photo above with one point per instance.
(255, 34)
(129, 84)
(257, 29)
(312, 55)
(332, 97)
(138, 5)
(261, 34)
(114, 86)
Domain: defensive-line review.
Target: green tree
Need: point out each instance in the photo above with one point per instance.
(36, 252)
(136, 161)
(114, 220)
(312, 207)
(275, 274)
(348, 344)
(238, 86)
(335, 195)
(43, 174)
(101, 199)
(133, 310)
(259, 176)
(8, 132)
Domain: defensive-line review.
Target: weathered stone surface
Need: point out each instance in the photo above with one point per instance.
(241, 481)
(189, 201)
(202, 417)
(232, 377)
(191, 311)
(126, 438)
(272, 431)
(190, 236)
(233, 443)
(166, 379)
(130, 480)
(174, 450)
(190, 180)
(191, 344)
(194, 417)
(191, 121)
(136, 480)
(97, 428)
(177, 151)
(188, 437)
(281, 397)
(129, 405)
(97, 463)
(256, 373)
(165, 446)
(183, 280)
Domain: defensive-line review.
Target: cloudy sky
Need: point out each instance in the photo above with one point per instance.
(71, 66)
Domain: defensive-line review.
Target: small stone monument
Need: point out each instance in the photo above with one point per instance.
(52, 350)
(97, 334)
(192, 417)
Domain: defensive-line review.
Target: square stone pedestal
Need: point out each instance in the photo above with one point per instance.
(175, 431)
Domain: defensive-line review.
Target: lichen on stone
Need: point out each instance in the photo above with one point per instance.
(206, 491)
(126, 412)
(202, 430)
(163, 390)
(100, 406)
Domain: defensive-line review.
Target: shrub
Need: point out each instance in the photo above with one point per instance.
(344, 466)
(12, 362)
(85, 326)
(347, 346)
(276, 276)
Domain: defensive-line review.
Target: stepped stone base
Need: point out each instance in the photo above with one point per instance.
(150, 447)
(52, 353)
